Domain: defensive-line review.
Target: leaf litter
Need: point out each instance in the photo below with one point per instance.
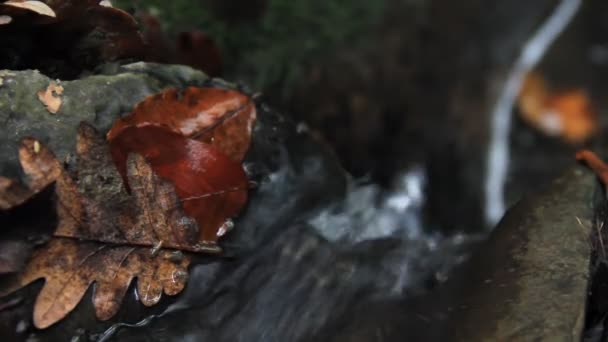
(130, 220)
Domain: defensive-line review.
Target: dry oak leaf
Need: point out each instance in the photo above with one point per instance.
(108, 237)
(51, 97)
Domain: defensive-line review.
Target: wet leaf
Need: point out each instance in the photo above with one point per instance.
(212, 187)
(223, 118)
(205, 133)
(109, 237)
(70, 266)
(97, 206)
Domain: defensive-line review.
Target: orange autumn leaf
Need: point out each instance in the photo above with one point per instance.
(166, 127)
(567, 114)
(221, 117)
(212, 187)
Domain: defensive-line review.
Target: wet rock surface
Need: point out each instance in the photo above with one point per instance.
(528, 281)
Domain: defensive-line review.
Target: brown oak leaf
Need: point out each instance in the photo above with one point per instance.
(105, 235)
(167, 127)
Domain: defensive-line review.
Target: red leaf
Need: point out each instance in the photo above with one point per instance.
(213, 188)
(196, 139)
(221, 117)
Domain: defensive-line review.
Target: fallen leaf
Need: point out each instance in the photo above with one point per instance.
(575, 111)
(150, 215)
(70, 266)
(34, 6)
(212, 187)
(221, 117)
(567, 113)
(51, 97)
(165, 128)
(109, 237)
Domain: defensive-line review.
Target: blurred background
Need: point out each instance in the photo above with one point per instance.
(401, 85)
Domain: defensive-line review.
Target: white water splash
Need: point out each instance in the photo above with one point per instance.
(370, 213)
(498, 150)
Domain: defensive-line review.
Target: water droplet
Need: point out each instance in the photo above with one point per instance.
(226, 227)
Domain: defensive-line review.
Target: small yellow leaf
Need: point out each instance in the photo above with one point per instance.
(34, 6)
(51, 97)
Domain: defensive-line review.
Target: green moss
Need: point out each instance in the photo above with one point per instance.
(270, 49)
